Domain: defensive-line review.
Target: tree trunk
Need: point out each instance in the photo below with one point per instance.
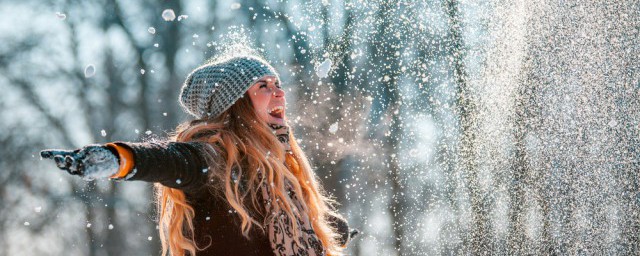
(479, 241)
(519, 181)
(388, 103)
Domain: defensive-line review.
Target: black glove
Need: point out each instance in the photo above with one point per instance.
(341, 225)
(90, 162)
(353, 233)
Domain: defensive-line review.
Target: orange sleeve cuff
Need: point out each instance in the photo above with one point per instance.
(126, 161)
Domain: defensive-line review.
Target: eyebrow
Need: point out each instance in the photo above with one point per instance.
(264, 80)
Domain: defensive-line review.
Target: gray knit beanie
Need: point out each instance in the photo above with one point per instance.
(212, 88)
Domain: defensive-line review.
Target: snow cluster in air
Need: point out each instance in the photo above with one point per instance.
(168, 15)
(322, 69)
(89, 71)
(61, 16)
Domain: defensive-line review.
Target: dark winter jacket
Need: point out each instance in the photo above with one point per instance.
(181, 165)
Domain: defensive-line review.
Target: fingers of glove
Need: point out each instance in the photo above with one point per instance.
(72, 161)
(51, 153)
(46, 153)
(69, 164)
(61, 162)
(353, 233)
(77, 168)
(72, 164)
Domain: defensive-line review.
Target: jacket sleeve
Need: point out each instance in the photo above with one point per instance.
(180, 165)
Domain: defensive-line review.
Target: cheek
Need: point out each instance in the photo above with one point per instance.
(260, 103)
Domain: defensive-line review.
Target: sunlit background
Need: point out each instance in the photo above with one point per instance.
(441, 127)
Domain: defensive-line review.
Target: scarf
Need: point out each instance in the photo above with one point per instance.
(280, 227)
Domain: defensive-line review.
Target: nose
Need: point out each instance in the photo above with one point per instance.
(278, 92)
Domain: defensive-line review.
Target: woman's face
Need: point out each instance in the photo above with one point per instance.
(268, 100)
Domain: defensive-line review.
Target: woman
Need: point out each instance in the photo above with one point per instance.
(233, 181)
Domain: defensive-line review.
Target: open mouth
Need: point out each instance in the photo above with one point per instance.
(277, 112)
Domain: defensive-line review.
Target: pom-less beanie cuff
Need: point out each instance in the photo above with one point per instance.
(214, 87)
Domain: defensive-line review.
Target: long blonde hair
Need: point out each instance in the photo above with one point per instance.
(239, 145)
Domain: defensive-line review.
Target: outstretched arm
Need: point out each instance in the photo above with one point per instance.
(179, 165)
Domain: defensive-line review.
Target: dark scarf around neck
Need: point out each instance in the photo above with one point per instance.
(283, 241)
(282, 133)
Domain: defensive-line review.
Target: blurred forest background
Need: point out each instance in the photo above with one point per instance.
(441, 126)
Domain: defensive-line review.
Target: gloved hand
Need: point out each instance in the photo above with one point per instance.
(341, 225)
(90, 162)
(353, 233)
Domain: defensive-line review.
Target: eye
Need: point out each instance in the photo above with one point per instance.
(263, 85)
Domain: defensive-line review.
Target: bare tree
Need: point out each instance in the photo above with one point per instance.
(465, 109)
(384, 49)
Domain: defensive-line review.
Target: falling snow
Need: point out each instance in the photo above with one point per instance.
(61, 16)
(168, 15)
(440, 127)
(333, 128)
(322, 70)
(89, 71)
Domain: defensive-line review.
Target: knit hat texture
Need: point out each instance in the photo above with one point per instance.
(213, 88)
